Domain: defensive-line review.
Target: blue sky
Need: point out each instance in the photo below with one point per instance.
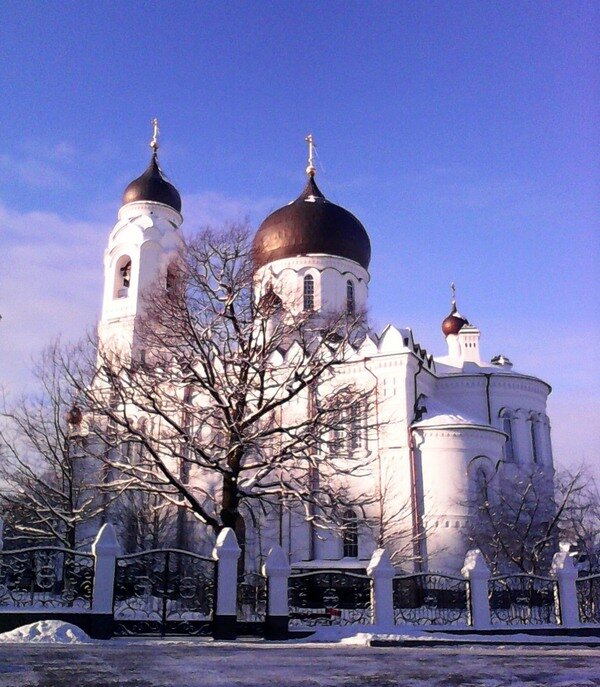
(463, 135)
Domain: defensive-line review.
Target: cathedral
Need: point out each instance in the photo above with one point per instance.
(446, 425)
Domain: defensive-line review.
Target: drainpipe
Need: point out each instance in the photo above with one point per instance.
(488, 379)
(416, 516)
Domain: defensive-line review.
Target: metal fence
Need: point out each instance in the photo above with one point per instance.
(588, 598)
(43, 577)
(164, 591)
(329, 597)
(430, 599)
(521, 599)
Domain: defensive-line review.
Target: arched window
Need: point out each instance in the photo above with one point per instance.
(534, 444)
(356, 416)
(481, 486)
(350, 533)
(506, 416)
(122, 277)
(309, 292)
(350, 304)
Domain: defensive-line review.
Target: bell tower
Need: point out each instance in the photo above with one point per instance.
(141, 245)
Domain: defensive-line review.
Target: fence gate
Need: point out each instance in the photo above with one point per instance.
(164, 592)
(251, 604)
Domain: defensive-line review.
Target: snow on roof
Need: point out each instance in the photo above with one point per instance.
(440, 414)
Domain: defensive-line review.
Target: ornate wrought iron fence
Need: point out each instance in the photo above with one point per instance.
(431, 599)
(588, 598)
(329, 597)
(523, 599)
(44, 577)
(164, 591)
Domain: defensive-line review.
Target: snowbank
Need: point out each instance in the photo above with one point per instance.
(357, 635)
(47, 632)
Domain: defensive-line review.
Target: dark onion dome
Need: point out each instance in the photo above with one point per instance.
(152, 185)
(454, 322)
(308, 225)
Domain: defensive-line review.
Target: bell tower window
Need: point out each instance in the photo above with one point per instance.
(122, 277)
(309, 292)
(350, 304)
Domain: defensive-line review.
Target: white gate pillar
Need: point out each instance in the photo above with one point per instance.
(565, 573)
(226, 553)
(105, 549)
(381, 571)
(277, 571)
(475, 569)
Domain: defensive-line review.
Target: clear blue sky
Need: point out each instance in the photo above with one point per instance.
(463, 135)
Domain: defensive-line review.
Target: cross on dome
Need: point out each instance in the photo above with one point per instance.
(311, 169)
(155, 132)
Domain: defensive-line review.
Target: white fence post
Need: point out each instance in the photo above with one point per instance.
(226, 553)
(476, 571)
(277, 571)
(1, 532)
(564, 571)
(381, 571)
(105, 549)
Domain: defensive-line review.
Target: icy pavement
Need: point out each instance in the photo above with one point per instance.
(204, 663)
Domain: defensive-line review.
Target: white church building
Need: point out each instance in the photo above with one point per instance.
(445, 423)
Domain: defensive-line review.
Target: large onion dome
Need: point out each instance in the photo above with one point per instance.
(153, 186)
(454, 322)
(311, 225)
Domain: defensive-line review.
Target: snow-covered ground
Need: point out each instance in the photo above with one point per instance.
(56, 654)
(159, 663)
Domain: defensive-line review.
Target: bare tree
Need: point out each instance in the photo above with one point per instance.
(47, 491)
(580, 524)
(231, 398)
(517, 519)
(392, 522)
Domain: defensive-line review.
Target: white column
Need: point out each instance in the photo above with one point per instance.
(277, 571)
(476, 571)
(226, 553)
(564, 571)
(105, 549)
(381, 571)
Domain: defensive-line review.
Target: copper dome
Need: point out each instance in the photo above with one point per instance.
(152, 185)
(308, 225)
(454, 322)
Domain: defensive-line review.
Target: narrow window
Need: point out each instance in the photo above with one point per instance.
(309, 292)
(355, 426)
(350, 534)
(534, 447)
(509, 455)
(350, 305)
